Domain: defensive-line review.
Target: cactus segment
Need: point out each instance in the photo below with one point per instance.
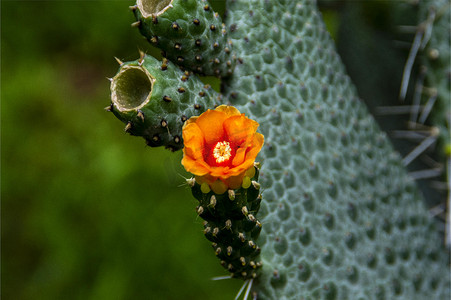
(189, 32)
(339, 205)
(155, 98)
(230, 224)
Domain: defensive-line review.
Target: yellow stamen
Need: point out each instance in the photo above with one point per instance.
(222, 152)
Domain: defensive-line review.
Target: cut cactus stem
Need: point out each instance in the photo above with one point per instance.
(155, 98)
(232, 226)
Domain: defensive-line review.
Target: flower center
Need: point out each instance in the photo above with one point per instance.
(222, 152)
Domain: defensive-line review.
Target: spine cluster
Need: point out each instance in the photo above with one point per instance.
(231, 224)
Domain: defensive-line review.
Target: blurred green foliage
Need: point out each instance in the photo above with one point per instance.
(88, 212)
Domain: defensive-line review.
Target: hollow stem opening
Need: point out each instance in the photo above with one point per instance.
(150, 8)
(131, 88)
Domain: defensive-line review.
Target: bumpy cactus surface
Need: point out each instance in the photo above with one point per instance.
(341, 218)
(231, 225)
(189, 32)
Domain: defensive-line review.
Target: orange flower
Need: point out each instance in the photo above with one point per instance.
(220, 147)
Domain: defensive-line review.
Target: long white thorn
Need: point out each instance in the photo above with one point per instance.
(409, 134)
(241, 289)
(249, 286)
(407, 29)
(396, 110)
(409, 64)
(221, 277)
(417, 96)
(427, 108)
(424, 174)
(436, 210)
(419, 149)
(428, 24)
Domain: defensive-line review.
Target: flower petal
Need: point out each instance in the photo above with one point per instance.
(195, 166)
(257, 144)
(228, 110)
(210, 123)
(240, 129)
(239, 157)
(194, 141)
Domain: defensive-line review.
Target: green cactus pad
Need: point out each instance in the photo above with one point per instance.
(189, 32)
(231, 225)
(342, 220)
(155, 98)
